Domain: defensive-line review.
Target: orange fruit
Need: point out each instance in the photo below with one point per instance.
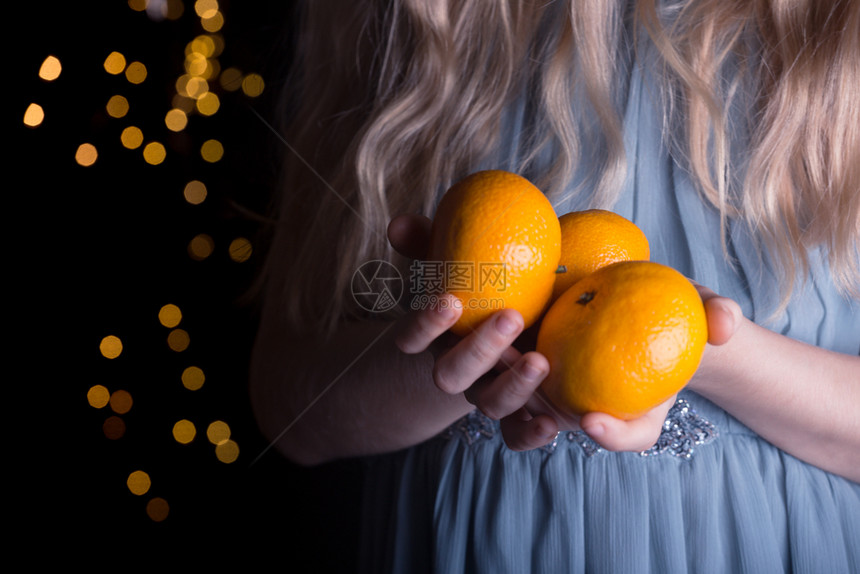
(593, 238)
(622, 340)
(499, 240)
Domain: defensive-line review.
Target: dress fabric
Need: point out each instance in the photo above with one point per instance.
(712, 497)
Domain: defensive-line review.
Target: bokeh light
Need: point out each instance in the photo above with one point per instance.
(120, 401)
(253, 85)
(98, 396)
(212, 151)
(131, 137)
(208, 103)
(206, 8)
(201, 246)
(195, 192)
(116, 92)
(178, 340)
(138, 482)
(34, 115)
(218, 432)
(176, 120)
(117, 106)
(136, 73)
(86, 155)
(169, 315)
(110, 347)
(227, 451)
(231, 79)
(193, 378)
(240, 249)
(50, 69)
(154, 153)
(114, 427)
(184, 431)
(157, 509)
(115, 63)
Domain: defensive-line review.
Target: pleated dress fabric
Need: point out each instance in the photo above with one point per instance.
(710, 497)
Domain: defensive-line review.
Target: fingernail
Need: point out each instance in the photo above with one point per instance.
(506, 326)
(595, 430)
(445, 311)
(530, 372)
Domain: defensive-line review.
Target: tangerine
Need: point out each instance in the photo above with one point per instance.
(622, 340)
(499, 239)
(594, 238)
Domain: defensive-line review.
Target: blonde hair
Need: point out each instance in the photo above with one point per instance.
(394, 101)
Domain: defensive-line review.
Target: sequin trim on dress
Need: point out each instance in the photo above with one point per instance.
(683, 430)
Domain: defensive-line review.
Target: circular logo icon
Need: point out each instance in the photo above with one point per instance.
(377, 286)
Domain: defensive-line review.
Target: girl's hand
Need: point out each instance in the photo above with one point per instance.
(484, 365)
(502, 382)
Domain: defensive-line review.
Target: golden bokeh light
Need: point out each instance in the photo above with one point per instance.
(206, 8)
(136, 73)
(34, 115)
(231, 79)
(218, 432)
(212, 151)
(131, 137)
(227, 451)
(191, 86)
(117, 106)
(169, 315)
(113, 427)
(154, 153)
(253, 85)
(98, 396)
(195, 192)
(121, 402)
(208, 103)
(138, 482)
(86, 155)
(110, 347)
(197, 64)
(201, 246)
(176, 120)
(213, 23)
(193, 378)
(203, 44)
(138, 5)
(157, 509)
(178, 340)
(50, 69)
(115, 63)
(184, 431)
(240, 249)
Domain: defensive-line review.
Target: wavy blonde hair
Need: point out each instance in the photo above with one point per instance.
(394, 101)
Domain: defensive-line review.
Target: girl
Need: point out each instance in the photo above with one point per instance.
(727, 131)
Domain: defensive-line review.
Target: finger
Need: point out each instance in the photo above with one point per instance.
(419, 329)
(478, 352)
(724, 316)
(521, 431)
(510, 391)
(619, 435)
(410, 235)
(509, 358)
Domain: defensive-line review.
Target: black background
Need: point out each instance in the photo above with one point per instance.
(97, 251)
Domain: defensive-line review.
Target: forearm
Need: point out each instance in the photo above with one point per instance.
(801, 398)
(355, 394)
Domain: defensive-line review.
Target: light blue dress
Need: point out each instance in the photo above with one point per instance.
(711, 496)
